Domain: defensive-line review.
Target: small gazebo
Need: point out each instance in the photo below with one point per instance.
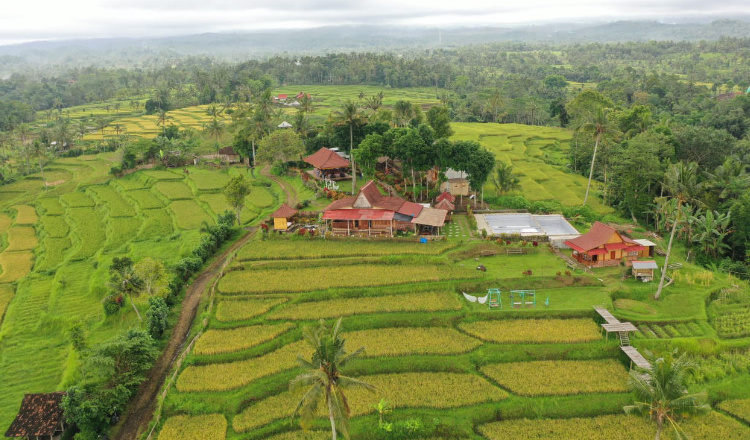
(328, 164)
(282, 217)
(40, 417)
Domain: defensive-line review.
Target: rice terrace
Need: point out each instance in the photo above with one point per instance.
(416, 239)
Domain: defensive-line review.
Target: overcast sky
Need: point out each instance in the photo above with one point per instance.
(27, 20)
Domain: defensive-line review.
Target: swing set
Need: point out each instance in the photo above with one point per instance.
(518, 299)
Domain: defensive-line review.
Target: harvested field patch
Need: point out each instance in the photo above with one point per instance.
(25, 215)
(203, 427)
(230, 375)
(611, 427)
(411, 341)
(560, 377)
(413, 302)
(15, 265)
(21, 238)
(534, 331)
(237, 339)
(245, 309)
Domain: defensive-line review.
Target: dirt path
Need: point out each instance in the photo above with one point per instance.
(141, 409)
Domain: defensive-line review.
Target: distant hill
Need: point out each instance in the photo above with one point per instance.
(126, 52)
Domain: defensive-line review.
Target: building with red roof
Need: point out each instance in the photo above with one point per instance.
(40, 416)
(603, 246)
(328, 164)
(282, 218)
(370, 213)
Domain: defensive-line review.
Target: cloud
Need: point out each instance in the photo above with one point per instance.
(52, 19)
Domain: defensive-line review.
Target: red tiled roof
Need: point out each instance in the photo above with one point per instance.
(598, 235)
(284, 211)
(446, 196)
(374, 199)
(615, 246)
(282, 96)
(326, 159)
(358, 214)
(345, 203)
(40, 415)
(411, 209)
(446, 205)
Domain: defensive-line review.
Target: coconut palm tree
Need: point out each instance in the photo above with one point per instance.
(600, 126)
(214, 129)
(323, 378)
(349, 115)
(161, 119)
(504, 179)
(662, 395)
(681, 182)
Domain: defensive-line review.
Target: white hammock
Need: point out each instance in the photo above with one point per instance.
(471, 298)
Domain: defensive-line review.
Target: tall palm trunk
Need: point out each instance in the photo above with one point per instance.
(253, 144)
(330, 417)
(669, 251)
(354, 169)
(135, 308)
(591, 171)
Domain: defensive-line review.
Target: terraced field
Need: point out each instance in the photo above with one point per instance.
(325, 100)
(56, 246)
(538, 155)
(430, 353)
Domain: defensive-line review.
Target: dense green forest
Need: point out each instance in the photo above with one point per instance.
(644, 105)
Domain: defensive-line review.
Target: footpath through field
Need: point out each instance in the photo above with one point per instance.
(143, 405)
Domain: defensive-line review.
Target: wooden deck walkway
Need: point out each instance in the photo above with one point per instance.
(636, 357)
(604, 313)
(623, 328)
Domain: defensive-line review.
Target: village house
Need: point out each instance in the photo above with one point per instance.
(603, 246)
(283, 217)
(40, 417)
(371, 213)
(457, 183)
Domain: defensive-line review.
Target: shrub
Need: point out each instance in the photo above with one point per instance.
(112, 304)
(157, 315)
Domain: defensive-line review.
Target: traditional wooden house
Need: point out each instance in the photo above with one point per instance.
(371, 213)
(644, 270)
(283, 217)
(604, 246)
(228, 155)
(328, 165)
(40, 417)
(457, 183)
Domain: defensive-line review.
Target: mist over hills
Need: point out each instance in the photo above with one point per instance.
(235, 46)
